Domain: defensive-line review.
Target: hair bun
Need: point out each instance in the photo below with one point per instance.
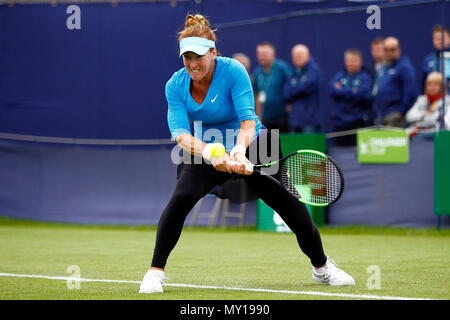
(197, 26)
(196, 20)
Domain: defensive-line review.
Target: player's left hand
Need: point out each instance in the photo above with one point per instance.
(239, 167)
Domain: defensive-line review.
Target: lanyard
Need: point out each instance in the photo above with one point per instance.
(436, 66)
(266, 79)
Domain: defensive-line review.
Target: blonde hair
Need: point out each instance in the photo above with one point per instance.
(197, 26)
(435, 76)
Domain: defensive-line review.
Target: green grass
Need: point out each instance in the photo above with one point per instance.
(413, 262)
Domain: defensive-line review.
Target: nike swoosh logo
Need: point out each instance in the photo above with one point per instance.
(212, 100)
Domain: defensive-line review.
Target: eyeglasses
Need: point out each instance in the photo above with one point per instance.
(390, 49)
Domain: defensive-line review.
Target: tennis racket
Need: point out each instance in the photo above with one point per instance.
(312, 177)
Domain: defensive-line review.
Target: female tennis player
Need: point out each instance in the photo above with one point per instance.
(216, 94)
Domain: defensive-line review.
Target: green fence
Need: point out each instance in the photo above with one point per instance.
(267, 219)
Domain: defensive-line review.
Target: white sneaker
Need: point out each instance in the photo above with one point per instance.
(332, 275)
(152, 281)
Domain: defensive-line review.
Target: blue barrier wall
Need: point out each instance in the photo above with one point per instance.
(386, 194)
(132, 185)
(85, 184)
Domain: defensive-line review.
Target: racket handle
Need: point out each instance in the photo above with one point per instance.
(248, 166)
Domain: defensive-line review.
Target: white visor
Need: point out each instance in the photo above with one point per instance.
(197, 45)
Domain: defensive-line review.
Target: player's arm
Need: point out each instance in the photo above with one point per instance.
(244, 103)
(246, 133)
(258, 107)
(190, 144)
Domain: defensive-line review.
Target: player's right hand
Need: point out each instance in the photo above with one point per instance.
(220, 163)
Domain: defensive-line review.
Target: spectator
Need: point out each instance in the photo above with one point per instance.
(426, 110)
(269, 78)
(302, 92)
(396, 86)
(433, 61)
(373, 68)
(246, 62)
(377, 53)
(244, 59)
(351, 91)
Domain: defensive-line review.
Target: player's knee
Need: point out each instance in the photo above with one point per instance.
(305, 227)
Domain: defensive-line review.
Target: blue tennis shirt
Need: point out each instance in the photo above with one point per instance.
(228, 102)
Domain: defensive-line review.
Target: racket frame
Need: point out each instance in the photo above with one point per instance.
(283, 159)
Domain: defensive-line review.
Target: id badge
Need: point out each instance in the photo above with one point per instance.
(262, 96)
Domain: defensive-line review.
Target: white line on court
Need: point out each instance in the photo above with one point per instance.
(311, 293)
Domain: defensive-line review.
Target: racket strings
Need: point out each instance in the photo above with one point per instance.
(312, 178)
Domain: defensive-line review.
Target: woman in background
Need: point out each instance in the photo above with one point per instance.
(424, 114)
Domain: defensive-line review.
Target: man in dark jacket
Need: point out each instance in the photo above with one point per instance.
(377, 61)
(439, 58)
(396, 84)
(301, 90)
(351, 91)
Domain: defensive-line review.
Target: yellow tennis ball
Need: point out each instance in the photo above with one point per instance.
(217, 150)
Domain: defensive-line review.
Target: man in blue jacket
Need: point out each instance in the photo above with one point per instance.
(396, 84)
(439, 58)
(301, 90)
(351, 91)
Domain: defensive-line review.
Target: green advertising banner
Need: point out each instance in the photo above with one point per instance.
(269, 220)
(382, 146)
(442, 173)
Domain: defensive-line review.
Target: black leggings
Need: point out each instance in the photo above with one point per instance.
(197, 180)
